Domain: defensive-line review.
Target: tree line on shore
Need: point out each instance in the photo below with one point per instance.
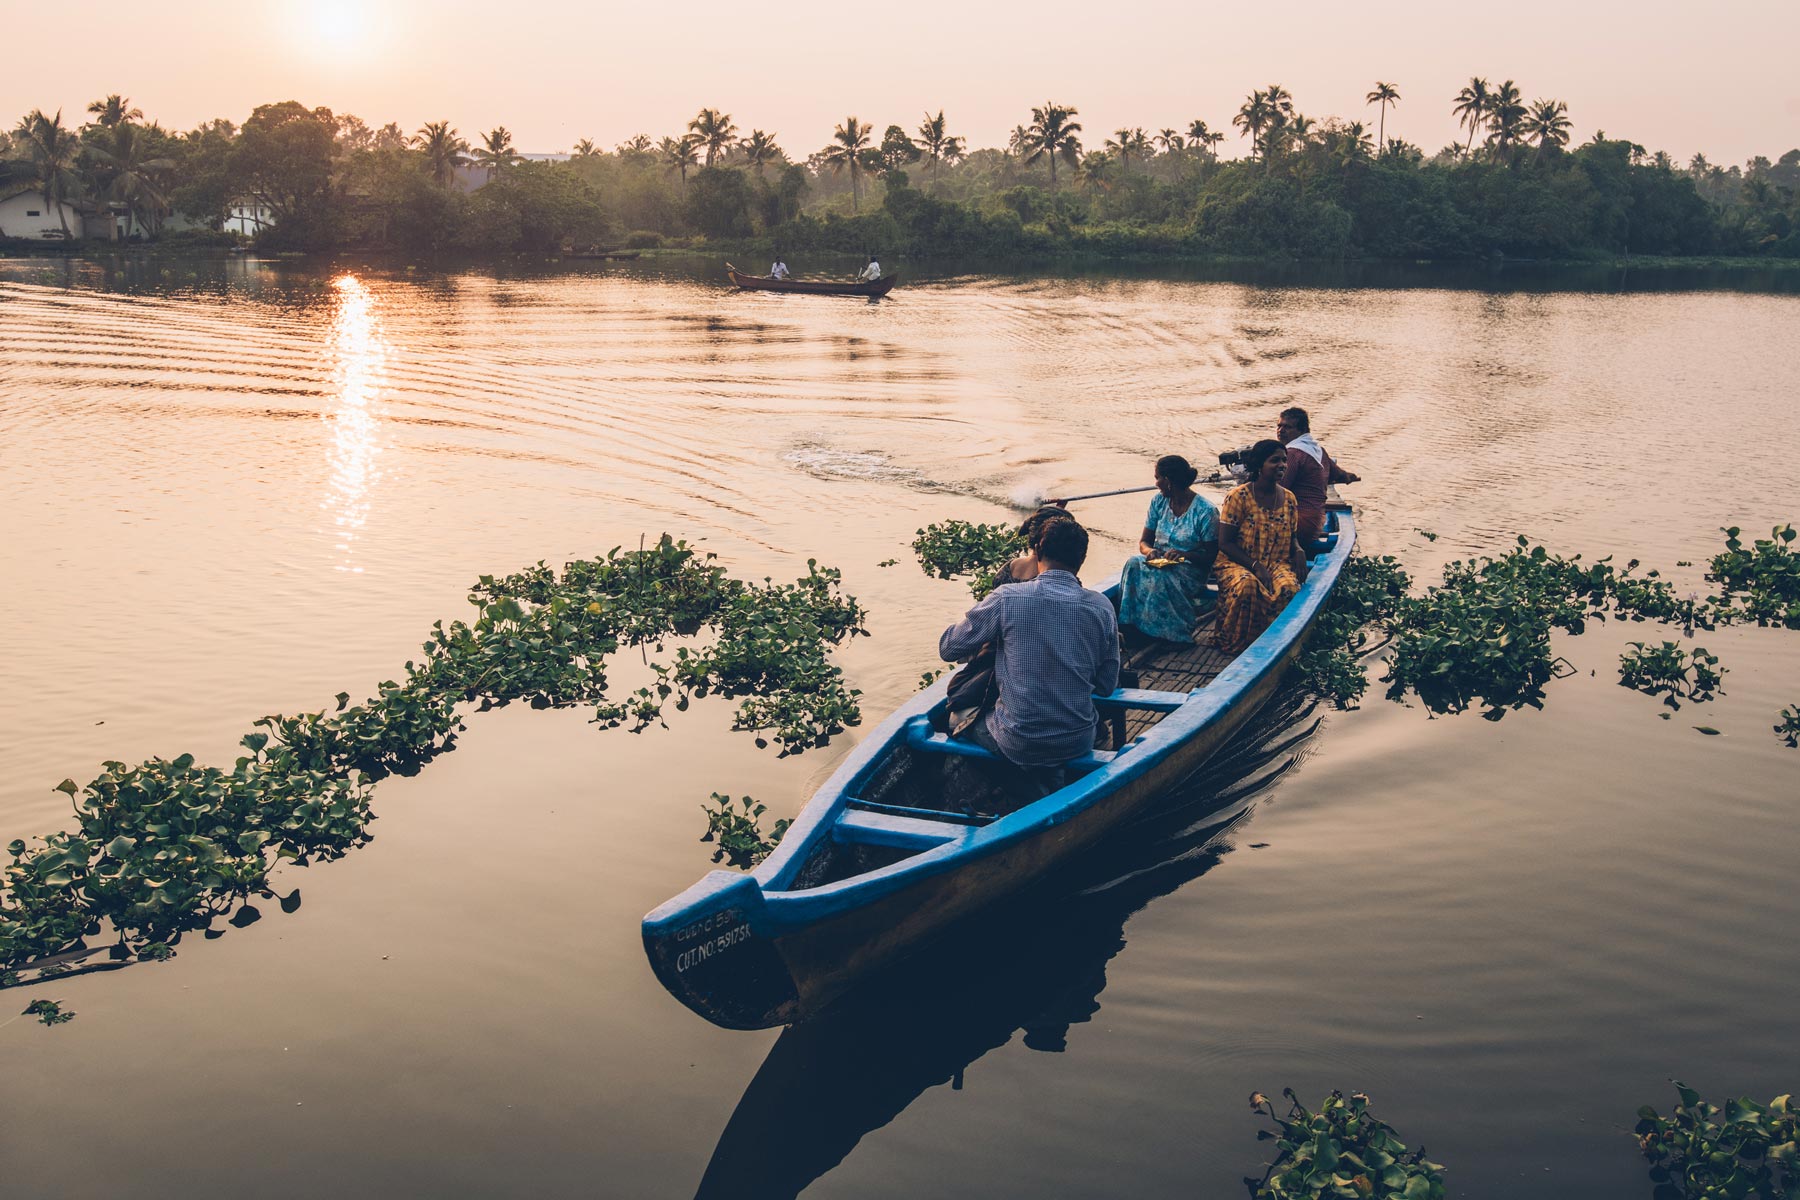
(1307, 188)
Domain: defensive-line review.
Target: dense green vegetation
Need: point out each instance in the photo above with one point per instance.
(1311, 188)
(1752, 1153)
(169, 845)
(1481, 639)
(1344, 1150)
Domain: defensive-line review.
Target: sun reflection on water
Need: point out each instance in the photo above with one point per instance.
(358, 358)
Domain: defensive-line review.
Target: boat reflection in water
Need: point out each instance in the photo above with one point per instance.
(1036, 965)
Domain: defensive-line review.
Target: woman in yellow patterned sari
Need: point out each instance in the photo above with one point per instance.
(1260, 565)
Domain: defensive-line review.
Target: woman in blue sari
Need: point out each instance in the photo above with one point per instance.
(1181, 532)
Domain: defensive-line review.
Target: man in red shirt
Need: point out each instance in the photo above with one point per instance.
(1309, 469)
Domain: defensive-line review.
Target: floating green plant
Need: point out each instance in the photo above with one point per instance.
(1745, 1150)
(1367, 595)
(1788, 727)
(48, 1011)
(1761, 582)
(956, 548)
(1669, 671)
(169, 845)
(738, 831)
(1344, 1150)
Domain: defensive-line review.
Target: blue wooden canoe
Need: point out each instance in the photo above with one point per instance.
(875, 865)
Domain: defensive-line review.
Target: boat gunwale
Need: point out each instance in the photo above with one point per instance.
(786, 907)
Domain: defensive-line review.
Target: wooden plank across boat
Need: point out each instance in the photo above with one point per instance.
(874, 288)
(893, 847)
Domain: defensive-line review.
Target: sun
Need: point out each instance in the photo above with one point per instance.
(338, 30)
(339, 26)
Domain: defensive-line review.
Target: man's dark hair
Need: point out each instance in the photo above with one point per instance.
(1064, 543)
(1298, 416)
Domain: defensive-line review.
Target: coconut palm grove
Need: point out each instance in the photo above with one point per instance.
(1515, 185)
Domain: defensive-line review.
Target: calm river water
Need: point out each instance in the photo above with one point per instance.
(237, 489)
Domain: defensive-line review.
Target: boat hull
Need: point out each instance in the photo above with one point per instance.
(757, 950)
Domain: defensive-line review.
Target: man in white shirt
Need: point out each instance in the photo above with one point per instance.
(871, 272)
(779, 270)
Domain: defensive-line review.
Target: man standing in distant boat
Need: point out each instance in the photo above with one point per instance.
(1309, 470)
(872, 272)
(1058, 646)
(779, 269)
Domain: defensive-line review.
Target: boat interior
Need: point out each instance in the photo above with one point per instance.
(931, 789)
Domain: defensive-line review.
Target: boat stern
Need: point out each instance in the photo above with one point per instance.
(709, 946)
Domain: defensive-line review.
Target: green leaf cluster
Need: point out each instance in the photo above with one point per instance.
(738, 831)
(1483, 636)
(1666, 670)
(1342, 1150)
(955, 548)
(1367, 595)
(1759, 583)
(167, 845)
(1745, 1150)
(1788, 727)
(47, 1011)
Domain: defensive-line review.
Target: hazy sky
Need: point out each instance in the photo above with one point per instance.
(1721, 78)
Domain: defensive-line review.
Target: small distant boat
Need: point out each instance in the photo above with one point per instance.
(874, 288)
(897, 844)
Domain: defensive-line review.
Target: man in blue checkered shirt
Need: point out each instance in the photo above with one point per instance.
(1058, 646)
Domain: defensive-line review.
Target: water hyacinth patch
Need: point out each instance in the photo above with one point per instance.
(1367, 595)
(954, 548)
(1342, 1150)
(1666, 670)
(1761, 582)
(1788, 727)
(1742, 1151)
(738, 831)
(169, 845)
(49, 1012)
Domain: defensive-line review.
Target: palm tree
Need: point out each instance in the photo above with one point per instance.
(714, 130)
(1052, 134)
(114, 110)
(760, 150)
(1548, 122)
(585, 148)
(1299, 130)
(1169, 140)
(50, 151)
(1471, 107)
(1281, 108)
(1384, 95)
(849, 148)
(1356, 140)
(444, 150)
(1698, 167)
(1095, 171)
(1128, 142)
(496, 151)
(1251, 117)
(1203, 139)
(680, 153)
(1506, 117)
(938, 144)
(135, 180)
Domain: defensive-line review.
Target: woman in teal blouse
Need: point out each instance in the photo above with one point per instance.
(1182, 529)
